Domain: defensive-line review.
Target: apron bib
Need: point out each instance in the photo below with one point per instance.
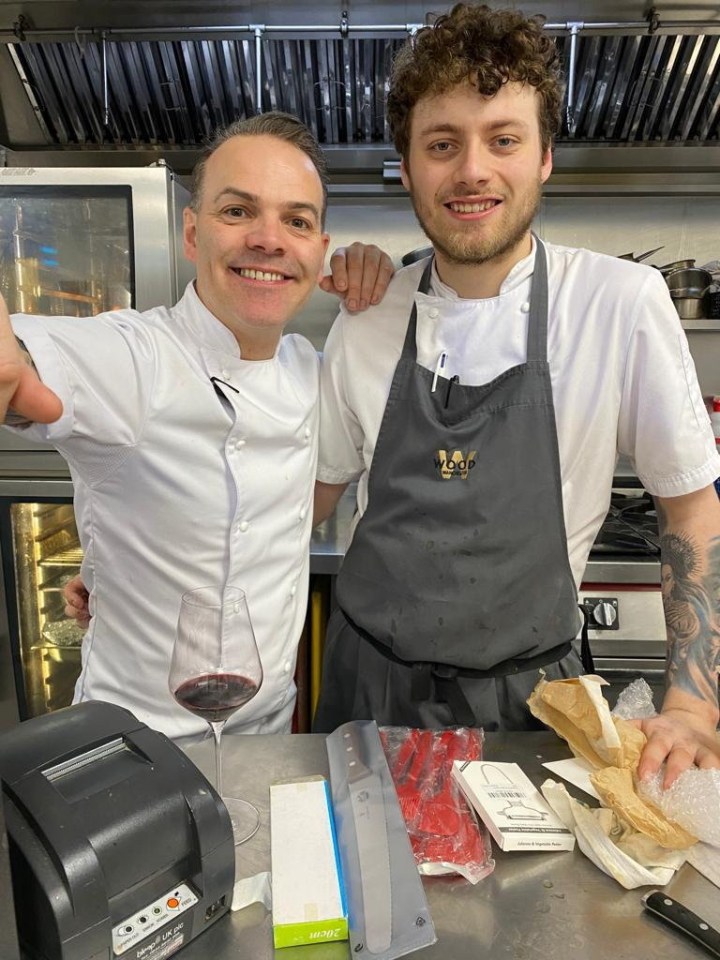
(458, 570)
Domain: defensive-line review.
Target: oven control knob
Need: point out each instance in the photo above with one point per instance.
(604, 613)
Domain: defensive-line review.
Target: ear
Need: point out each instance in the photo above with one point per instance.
(325, 238)
(190, 234)
(547, 165)
(404, 175)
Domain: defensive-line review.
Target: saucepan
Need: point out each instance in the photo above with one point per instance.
(687, 289)
(676, 265)
(688, 282)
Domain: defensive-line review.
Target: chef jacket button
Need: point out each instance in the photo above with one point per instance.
(244, 526)
(525, 307)
(293, 590)
(308, 432)
(232, 445)
(433, 314)
(286, 666)
(225, 374)
(240, 443)
(302, 513)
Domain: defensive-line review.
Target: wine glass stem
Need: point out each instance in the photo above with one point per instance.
(217, 729)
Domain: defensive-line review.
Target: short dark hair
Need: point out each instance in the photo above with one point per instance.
(481, 46)
(284, 126)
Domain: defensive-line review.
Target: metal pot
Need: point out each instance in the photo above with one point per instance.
(676, 265)
(688, 282)
(689, 308)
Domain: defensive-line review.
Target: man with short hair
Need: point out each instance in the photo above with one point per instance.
(474, 410)
(191, 432)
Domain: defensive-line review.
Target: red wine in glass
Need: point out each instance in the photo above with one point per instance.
(215, 696)
(215, 670)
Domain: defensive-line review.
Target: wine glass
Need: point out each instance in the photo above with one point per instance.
(215, 670)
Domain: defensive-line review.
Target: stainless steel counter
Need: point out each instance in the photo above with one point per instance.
(534, 906)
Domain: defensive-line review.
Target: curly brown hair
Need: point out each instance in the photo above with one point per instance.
(484, 47)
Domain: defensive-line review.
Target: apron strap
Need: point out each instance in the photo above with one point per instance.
(537, 318)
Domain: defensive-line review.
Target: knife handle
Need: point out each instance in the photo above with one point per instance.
(684, 920)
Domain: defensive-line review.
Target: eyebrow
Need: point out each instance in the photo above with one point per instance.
(502, 124)
(293, 205)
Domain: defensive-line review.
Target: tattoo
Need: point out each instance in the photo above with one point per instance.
(691, 599)
(13, 419)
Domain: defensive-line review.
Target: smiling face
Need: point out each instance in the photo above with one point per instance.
(475, 169)
(256, 238)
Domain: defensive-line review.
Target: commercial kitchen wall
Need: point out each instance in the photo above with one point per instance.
(685, 226)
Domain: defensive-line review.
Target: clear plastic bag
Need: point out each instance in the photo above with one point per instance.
(445, 835)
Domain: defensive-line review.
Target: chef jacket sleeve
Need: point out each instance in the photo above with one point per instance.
(102, 368)
(664, 427)
(341, 435)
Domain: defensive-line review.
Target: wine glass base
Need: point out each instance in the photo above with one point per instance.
(245, 819)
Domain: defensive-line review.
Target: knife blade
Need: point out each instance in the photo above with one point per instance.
(677, 915)
(368, 806)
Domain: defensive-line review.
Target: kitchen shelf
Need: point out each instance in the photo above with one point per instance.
(709, 326)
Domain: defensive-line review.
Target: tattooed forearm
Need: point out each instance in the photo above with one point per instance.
(13, 419)
(691, 599)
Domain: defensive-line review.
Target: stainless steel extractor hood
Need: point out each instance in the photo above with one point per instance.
(161, 76)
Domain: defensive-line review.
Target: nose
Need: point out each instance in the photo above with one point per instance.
(266, 236)
(473, 164)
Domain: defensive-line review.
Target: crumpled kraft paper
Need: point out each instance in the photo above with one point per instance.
(631, 858)
(647, 840)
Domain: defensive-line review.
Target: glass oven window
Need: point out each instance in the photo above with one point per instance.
(66, 251)
(46, 555)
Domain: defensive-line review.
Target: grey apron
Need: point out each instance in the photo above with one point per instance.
(457, 584)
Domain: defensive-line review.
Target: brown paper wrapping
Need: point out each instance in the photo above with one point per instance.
(577, 712)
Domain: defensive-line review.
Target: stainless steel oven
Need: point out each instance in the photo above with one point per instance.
(79, 241)
(622, 597)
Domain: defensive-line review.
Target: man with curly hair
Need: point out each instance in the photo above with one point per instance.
(482, 408)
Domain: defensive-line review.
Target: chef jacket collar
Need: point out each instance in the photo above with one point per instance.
(521, 272)
(191, 314)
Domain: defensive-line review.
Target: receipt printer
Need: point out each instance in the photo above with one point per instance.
(119, 847)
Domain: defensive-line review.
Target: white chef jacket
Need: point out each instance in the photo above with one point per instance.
(623, 380)
(176, 488)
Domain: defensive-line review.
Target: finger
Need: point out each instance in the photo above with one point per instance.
(707, 759)
(386, 271)
(653, 756)
(338, 270)
(680, 759)
(370, 270)
(326, 284)
(34, 400)
(355, 256)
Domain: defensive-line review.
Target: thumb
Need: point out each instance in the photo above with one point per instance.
(34, 401)
(327, 284)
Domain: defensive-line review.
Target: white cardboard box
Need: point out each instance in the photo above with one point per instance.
(308, 898)
(514, 812)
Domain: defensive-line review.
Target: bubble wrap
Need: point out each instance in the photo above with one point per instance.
(693, 795)
(692, 801)
(635, 702)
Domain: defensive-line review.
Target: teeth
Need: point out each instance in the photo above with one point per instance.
(472, 207)
(260, 275)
